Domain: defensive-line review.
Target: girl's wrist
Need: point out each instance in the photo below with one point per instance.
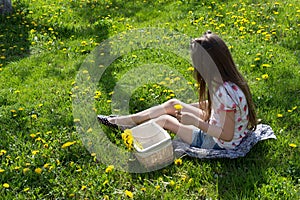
(202, 125)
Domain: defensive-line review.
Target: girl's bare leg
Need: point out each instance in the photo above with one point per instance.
(171, 123)
(155, 112)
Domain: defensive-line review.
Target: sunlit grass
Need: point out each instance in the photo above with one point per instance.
(42, 46)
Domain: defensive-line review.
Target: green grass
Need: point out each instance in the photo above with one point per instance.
(42, 47)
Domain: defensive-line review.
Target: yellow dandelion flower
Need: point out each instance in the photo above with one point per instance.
(34, 152)
(76, 120)
(178, 161)
(67, 144)
(265, 76)
(2, 152)
(265, 65)
(279, 115)
(143, 189)
(293, 145)
(258, 79)
(2, 170)
(294, 108)
(183, 177)
(257, 59)
(83, 187)
(105, 182)
(93, 154)
(190, 69)
(38, 170)
(128, 194)
(127, 138)
(109, 169)
(84, 43)
(172, 183)
(25, 170)
(34, 116)
(89, 130)
(57, 162)
(5, 185)
(176, 79)
(178, 106)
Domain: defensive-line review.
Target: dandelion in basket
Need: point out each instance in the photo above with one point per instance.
(129, 140)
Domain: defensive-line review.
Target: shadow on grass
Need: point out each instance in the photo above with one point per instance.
(14, 34)
(240, 177)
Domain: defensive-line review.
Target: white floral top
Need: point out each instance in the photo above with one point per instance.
(230, 98)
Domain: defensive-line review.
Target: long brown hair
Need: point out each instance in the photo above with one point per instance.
(219, 52)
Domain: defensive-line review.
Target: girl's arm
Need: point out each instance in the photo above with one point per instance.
(224, 133)
(194, 109)
(202, 105)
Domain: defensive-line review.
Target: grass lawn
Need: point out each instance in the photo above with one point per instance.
(48, 47)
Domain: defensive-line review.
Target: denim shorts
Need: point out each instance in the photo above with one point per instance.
(203, 140)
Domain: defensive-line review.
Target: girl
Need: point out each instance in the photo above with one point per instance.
(225, 111)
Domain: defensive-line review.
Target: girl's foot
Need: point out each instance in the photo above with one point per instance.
(105, 121)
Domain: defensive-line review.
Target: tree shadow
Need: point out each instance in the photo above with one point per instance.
(14, 28)
(242, 176)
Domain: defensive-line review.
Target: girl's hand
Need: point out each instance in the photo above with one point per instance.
(186, 118)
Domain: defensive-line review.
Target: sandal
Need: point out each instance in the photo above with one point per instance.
(103, 119)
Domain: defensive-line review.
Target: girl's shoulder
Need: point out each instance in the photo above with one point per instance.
(231, 85)
(231, 90)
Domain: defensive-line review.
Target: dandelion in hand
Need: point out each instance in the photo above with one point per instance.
(178, 107)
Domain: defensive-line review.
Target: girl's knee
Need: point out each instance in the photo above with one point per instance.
(172, 102)
(162, 118)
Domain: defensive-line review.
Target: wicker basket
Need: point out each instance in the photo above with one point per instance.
(153, 145)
